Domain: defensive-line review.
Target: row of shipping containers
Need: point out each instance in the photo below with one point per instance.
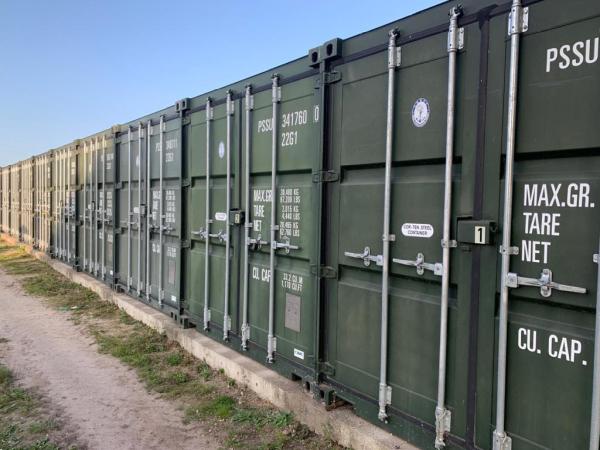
(404, 221)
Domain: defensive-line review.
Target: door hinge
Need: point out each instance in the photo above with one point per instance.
(329, 78)
(518, 20)
(326, 369)
(332, 77)
(323, 271)
(185, 244)
(185, 183)
(501, 441)
(186, 120)
(325, 176)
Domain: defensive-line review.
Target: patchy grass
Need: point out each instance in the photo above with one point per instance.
(205, 395)
(24, 423)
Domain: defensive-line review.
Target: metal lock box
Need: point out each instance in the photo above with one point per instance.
(480, 232)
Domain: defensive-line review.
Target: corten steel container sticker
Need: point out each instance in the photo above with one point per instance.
(405, 220)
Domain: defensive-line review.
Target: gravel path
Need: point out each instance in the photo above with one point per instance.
(97, 398)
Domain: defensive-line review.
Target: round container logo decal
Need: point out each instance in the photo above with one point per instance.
(221, 149)
(420, 112)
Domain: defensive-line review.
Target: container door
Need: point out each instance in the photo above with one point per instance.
(48, 203)
(90, 229)
(15, 201)
(89, 195)
(25, 203)
(5, 200)
(71, 205)
(164, 271)
(354, 301)
(132, 151)
(199, 219)
(212, 269)
(25, 194)
(52, 205)
(30, 193)
(555, 233)
(35, 204)
(83, 213)
(107, 193)
(290, 320)
(2, 200)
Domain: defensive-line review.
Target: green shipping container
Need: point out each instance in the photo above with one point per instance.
(15, 200)
(405, 221)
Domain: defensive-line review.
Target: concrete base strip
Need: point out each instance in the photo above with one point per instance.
(341, 425)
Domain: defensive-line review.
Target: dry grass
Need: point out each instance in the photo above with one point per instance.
(203, 394)
(25, 422)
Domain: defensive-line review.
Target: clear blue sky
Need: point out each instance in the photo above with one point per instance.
(69, 68)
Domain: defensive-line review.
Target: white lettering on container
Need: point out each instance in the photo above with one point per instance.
(572, 55)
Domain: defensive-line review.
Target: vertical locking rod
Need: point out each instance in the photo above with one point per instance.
(68, 202)
(501, 440)
(63, 199)
(96, 206)
(84, 204)
(103, 271)
(41, 203)
(139, 215)
(91, 208)
(160, 212)
(442, 415)
(207, 220)
(595, 425)
(46, 203)
(128, 209)
(384, 390)
(56, 205)
(61, 205)
(149, 212)
(226, 318)
(38, 199)
(247, 225)
(271, 334)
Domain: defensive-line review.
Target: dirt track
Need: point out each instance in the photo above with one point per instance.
(97, 398)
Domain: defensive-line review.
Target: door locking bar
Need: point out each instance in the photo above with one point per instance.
(221, 236)
(421, 265)
(545, 283)
(201, 233)
(256, 244)
(285, 244)
(366, 257)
